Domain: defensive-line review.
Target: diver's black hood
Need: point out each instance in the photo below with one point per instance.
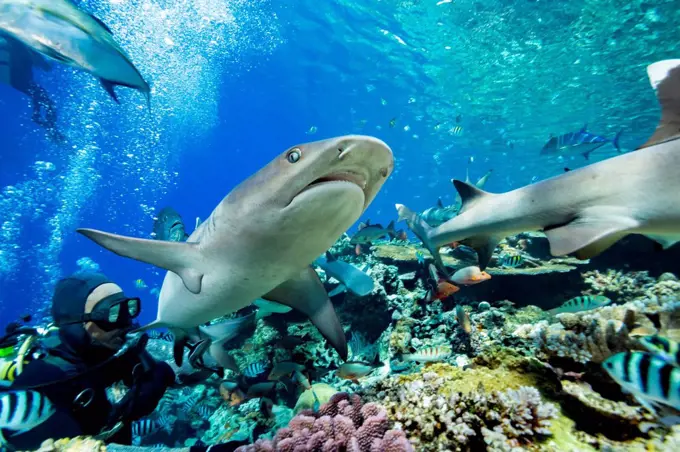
(68, 301)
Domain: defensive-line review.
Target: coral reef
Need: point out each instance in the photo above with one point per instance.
(344, 423)
(435, 420)
(77, 444)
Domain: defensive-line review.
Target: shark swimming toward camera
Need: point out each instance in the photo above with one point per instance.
(61, 31)
(260, 240)
(583, 211)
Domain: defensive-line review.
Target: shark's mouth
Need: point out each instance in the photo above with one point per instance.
(342, 177)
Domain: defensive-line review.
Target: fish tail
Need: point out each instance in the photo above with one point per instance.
(615, 141)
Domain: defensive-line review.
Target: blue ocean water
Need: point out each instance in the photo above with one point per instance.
(236, 82)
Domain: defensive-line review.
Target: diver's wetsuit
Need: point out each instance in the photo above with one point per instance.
(93, 371)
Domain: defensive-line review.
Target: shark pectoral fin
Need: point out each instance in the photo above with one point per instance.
(665, 241)
(180, 258)
(587, 237)
(180, 341)
(338, 290)
(664, 77)
(109, 87)
(484, 246)
(306, 293)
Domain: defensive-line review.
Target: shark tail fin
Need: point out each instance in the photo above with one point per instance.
(664, 77)
(422, 230)
(483, 245)
(180, 258)
(615, 141)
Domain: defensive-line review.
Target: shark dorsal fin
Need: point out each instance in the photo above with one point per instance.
(469, 194)
(584, 128)
(440, 204)
(100, 22)
(330, 257)
(665, 79)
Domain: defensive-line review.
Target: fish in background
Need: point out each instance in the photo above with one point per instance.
(369, 233)
(651, 380)
(62, 32)
(434, 216)
(168, 225)
(582, 303)
(350, 277)
(353, 370)
(584, 211)
(463, 319)
(662, 347)
(581, 142)
(428, 355)
(469, 276)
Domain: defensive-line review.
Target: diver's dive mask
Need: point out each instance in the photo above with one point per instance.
(113, 312)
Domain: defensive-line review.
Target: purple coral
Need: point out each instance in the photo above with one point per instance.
(342, 424)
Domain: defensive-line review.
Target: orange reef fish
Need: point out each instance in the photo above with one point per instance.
(470, 275)
(445, 289)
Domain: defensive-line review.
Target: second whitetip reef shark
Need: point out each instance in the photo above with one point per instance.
(260, 240)
(584, 211)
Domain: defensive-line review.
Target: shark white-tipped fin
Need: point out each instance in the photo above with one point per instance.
(588, 236)
(664, 77)
(180, 258)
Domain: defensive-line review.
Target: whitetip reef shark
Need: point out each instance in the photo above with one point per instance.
(260, 240)
(584, 211)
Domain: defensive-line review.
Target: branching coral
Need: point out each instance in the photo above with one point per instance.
(343, 424)
(504, 420)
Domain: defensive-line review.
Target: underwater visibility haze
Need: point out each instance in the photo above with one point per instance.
(307, 312)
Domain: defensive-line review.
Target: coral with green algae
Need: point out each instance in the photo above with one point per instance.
(77, 444)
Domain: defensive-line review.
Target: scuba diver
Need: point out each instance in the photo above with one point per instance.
(93, 316)
(16, 70)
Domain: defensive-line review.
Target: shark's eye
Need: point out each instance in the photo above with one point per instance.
(294, 155)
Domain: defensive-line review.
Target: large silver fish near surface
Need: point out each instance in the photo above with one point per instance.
(261, 239)
(584, 211)
(62, 32)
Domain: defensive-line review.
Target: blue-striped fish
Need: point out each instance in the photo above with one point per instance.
(662, 347)
(190, 403)
(144, 427)
(205, 411)
(254, 369)
(653, 382)
(583, 303)
(164, 422)
(510, 260)
(581, 142)
(23, 410)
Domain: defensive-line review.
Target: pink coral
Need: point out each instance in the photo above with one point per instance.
(343, 424)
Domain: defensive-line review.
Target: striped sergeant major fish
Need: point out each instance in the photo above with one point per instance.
(429, 354)
(582, 303)
(653, 382)
(22, 411)
(510, 260)
(144, 427)
(663, 348)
